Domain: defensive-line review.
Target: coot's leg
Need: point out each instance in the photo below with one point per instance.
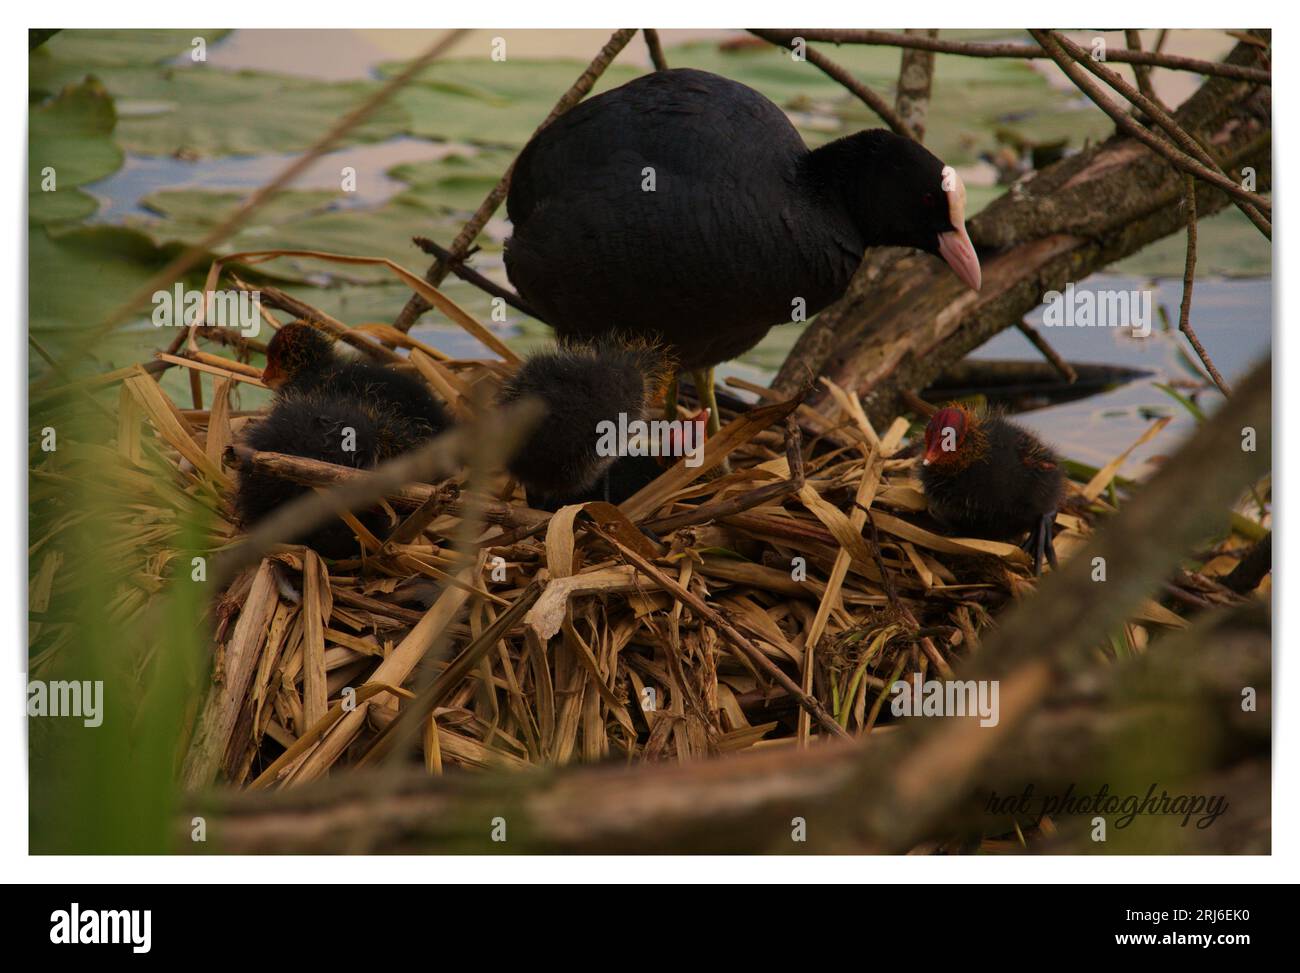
(1033, 546)
(1039, 542)
(670, 399)
(1048, 521)
(703, 378)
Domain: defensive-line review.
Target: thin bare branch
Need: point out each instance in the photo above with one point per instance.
(1186, 163)
(833, 70)
(1142, 72)
(1053, 356)
(882, 38)
(438, 271)
(1189, 278)
(1162, 118)
(656, 48)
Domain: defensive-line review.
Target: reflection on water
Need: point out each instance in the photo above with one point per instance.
(120, 193)
(1233, 319)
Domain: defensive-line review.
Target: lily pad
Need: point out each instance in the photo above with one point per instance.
(190, 109)
(77, 279)
(441, 194)
(70, 143)
(491, 102)
(71, 54)
(502, 102)
(457, 182)
(1227, 245)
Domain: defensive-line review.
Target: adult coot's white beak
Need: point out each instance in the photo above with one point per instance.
(955, 246)
(959, 253)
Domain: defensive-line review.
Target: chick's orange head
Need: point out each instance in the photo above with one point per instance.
(296, 348)
(945, 435)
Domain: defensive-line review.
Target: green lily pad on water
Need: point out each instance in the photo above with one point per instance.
(77, 279)
(72, 54)
(192, 109)
(457, 183)
(442, 194)
(306, 220)
(503, 101)
(490, 102)
(1227, 245)
(69, 144)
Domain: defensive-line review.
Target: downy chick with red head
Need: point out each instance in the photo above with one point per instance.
(985, 476)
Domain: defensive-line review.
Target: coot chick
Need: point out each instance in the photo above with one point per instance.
(685, 207)
(301, 358)
(327, 407)
(567, 458)
(987, 477)
(337, 429)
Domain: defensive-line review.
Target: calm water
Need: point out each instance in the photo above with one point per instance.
(119, 195)
(1234, 320)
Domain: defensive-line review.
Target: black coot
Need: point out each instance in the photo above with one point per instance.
(685, 207)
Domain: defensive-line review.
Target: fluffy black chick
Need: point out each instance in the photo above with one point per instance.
(583, 386)
(985, 476)
(301, 358)
(338, 410)
(343, 430)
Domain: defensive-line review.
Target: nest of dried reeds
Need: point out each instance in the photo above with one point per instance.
(711, 613)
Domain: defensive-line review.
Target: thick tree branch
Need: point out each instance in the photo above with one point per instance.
(1061, 224)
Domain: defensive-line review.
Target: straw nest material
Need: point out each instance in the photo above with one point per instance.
(776, 603)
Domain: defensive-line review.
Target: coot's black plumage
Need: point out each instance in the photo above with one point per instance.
(985, 476)
(744, 226)
(582, 385)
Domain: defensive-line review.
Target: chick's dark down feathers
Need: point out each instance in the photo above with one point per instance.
(1006, 489)
(405, 396)
(343, 430)
(582, 386)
